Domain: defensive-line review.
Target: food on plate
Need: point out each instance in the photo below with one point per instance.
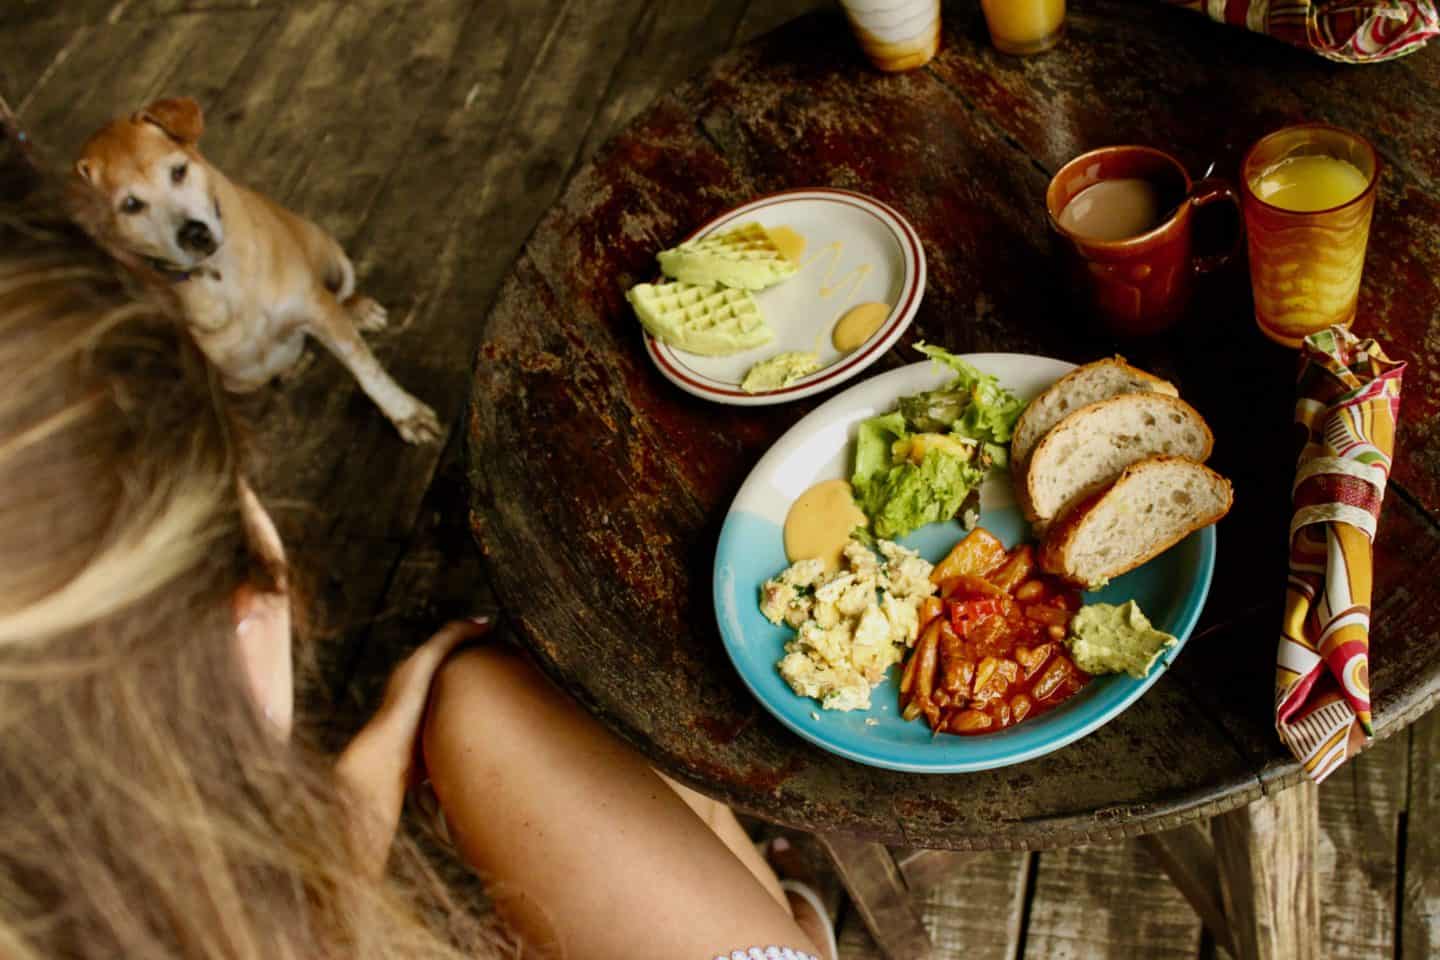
(1087, 450)
(1106, 638)
(851, 624)
(788, 241)
(991, 646)
(1107, 468)
(924, 462)
(779, 371)
(821, 522)
(744, 257)
(1153, 505)
(1079, 388)
(711, 321)
(707, 307)
(858, 324)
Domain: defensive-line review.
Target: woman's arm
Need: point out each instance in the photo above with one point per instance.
(380, 764)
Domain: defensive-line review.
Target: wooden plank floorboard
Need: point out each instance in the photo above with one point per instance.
(1103, 902)
(37, 36)
(119, 67)
(1419, 920)
(499, 155)
(762, 16)
(670, 42)
(141, 9)
(975, 914)
(29, 50)
(439, 578)
(408, 253)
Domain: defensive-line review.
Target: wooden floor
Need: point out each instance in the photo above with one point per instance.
(429, 137)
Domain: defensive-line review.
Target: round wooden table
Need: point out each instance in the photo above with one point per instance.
(599, 488)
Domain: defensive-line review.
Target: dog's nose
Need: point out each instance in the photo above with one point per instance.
(195, 235)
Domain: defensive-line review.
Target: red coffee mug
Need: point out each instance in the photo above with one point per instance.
(1140, 284)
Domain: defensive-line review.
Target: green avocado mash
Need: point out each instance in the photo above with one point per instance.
(779, 371)
(924, 462)
(1105, 638)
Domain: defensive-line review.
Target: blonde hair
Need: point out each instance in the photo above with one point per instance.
(147, 810)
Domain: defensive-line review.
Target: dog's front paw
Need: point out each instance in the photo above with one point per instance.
(420, 426)
(367, 314)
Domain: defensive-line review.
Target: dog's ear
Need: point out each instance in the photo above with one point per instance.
(180, 118)
(88, 169)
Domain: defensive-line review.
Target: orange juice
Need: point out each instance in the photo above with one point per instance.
(1024, 26)
(1309, 193)
(1309, 183)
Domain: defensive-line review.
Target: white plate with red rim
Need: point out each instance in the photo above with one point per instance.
(857, 250)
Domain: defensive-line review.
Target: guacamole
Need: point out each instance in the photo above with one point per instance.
(1105, 638)
(925, 461)
(779, 371)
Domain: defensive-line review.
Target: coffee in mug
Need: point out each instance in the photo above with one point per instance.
(1114, 209)
(1122, 222)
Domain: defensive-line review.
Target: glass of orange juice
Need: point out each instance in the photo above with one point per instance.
(1308, 192)
(1024, 27)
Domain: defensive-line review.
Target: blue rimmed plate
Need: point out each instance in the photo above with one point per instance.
(1171, 588)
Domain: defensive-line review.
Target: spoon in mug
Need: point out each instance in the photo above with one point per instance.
(1198, 186)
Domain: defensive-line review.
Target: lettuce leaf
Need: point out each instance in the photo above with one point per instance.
(905, 497)
(873, 440)
(992, 410)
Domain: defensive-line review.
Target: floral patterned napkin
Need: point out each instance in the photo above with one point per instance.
(1347, 404)
(1351, 31)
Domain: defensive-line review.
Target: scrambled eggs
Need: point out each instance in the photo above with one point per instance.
(851, 624)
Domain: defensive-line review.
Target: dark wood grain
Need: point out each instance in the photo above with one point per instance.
(616, 498)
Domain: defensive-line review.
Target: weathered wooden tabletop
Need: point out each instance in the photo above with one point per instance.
(598, 488)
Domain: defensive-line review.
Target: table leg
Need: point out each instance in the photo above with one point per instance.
(1265, 854)
(1188, 857)
(878, 891)
(923, 869)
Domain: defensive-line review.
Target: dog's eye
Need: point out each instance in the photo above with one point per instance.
(177, 172)
(132, 204)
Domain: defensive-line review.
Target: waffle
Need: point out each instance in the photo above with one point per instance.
(743, 257)
(711, 321)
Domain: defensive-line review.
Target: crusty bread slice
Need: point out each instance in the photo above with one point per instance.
(1154, 505)
(1088, 449)
(1079, 388)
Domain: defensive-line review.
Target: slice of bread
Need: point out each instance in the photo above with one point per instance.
(1087, 450)
(1154, 505)
(1079, 388)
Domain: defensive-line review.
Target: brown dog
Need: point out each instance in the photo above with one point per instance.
(253, 277)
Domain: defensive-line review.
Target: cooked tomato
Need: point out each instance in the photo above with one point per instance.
(990, 654)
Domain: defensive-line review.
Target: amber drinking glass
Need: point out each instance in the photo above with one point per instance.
(1023, 27)
(1308, 193)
